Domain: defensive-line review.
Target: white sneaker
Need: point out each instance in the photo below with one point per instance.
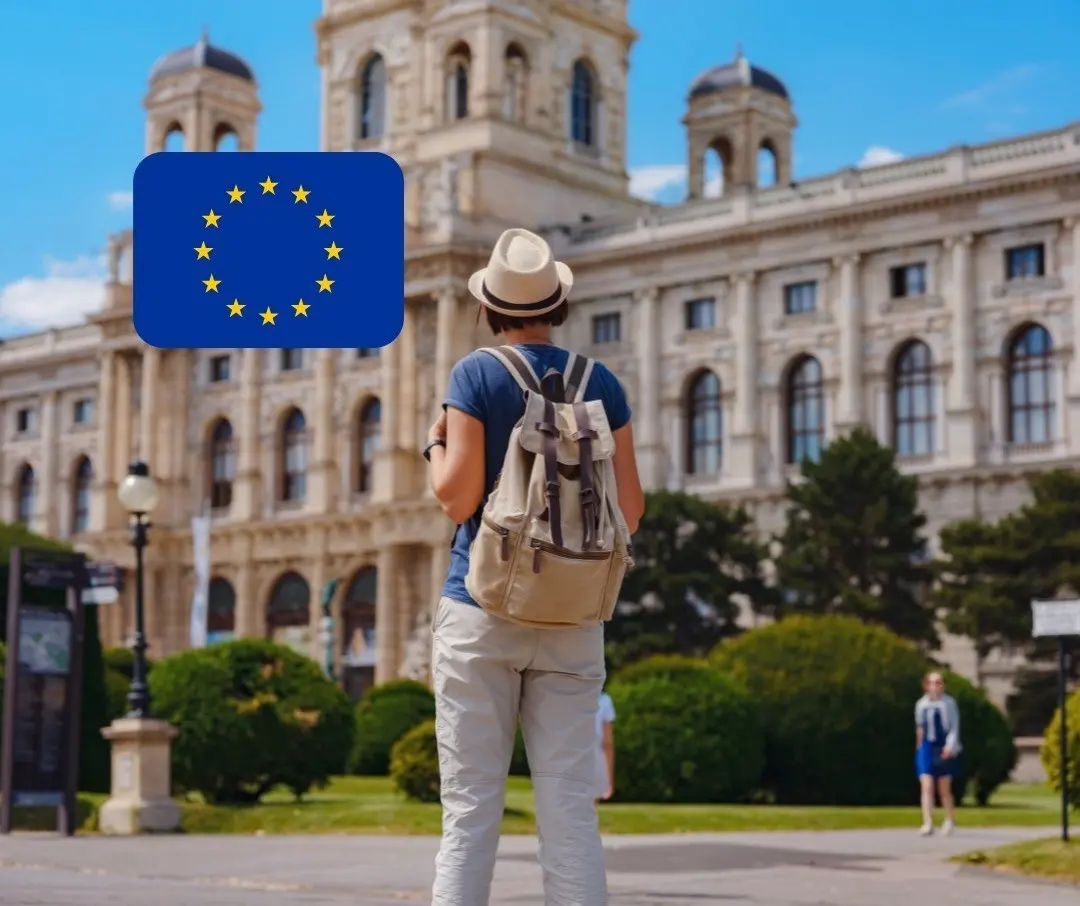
(926, 830)
(946, 827)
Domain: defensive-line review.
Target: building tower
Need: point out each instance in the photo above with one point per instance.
(500, 113)
(741, 114)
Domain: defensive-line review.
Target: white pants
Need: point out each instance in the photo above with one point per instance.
(487, 672)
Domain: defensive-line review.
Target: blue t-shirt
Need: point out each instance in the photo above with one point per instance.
(481, 386)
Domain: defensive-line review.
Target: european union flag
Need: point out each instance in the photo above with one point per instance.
(268, 249)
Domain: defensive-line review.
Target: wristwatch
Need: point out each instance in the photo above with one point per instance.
(437, 442)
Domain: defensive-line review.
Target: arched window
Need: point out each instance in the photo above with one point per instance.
(515, 84)
(220, 611)
(288, 616)
(913, 401)
(766, 165)
(294, 456)
(80, 499)
(1031, 392)
(222, 464)
(704, 448)
(358, 633)
(583, 106)
(716, 167)
(372, 91)
(172, 138)
(26, 494)
(225, 138)
(805, 410)
(458, 63)
(369, 433)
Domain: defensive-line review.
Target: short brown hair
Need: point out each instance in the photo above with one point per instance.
(502, 323)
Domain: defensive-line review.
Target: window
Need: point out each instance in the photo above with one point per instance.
(583, 105)
(367, 352)
(25, 497)
(458, 62)
(25, 420)
(82, 411)
(700, 314)
(800, 298)
(515, 84)
(220, 610)
(369, 434)
(294, 457)
(358, 642)
(1025, 262)
(219, 368)
(288, 608)
(805, 410)
(83, 484)
(292, 359)
(705, 425)
(373, 99)
(222, 465)
(913, 401)
(607, 328)
(1031, 391)
(907, 280)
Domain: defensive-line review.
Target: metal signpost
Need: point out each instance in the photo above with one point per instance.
(43, 693)
(104, 582)
(1059, 619)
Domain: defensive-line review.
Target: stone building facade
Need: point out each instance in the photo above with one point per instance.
(936, 299)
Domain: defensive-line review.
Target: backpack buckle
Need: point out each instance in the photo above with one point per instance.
(547, 428)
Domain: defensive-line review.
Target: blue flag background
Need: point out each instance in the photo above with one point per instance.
(269, 249)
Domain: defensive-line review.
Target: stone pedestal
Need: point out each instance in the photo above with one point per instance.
(140, 800)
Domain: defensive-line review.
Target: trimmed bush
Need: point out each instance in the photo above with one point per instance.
(414, 763)
(117, 687)
(385, 714)
(989, 753)
(519, 762)
(252, 716)
(838, 698)
(669, 666)
(1050, 753)
(694, 737)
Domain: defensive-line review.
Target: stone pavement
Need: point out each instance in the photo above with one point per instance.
(861, 868)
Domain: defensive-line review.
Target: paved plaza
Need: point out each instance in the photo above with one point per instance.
(876, 868)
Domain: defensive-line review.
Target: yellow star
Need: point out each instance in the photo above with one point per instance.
(236, 194)
(325, 284)
(211, 284)
(204, 251)
(268, 316)
(236, 308)
(333, 251)
(301, 308)
(268, 189)
(211, 218)
(324, 218)
(301, 195)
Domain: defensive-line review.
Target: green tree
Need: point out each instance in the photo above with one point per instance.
(853, 543)
(692, 559)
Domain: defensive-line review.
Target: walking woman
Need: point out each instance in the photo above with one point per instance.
(937, 750)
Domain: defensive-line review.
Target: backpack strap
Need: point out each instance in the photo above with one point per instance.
(550, 432)
(518, 366)
(576, 377)
(590, 513)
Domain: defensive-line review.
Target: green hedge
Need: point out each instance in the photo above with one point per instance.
(989, 753)
(669, 666)
(1050, 752)
(385, 714)
(838, 699)
(694, 737)
(414, 763)
(251, 716)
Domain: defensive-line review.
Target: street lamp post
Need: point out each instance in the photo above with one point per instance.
(138, 494)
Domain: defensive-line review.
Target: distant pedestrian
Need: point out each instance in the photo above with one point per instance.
(605, 748)
(937, 750)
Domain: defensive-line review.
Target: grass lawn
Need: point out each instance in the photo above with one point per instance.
(1050, 858)
(369, 805)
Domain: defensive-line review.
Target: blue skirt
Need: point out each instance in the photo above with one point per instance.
(929, 763)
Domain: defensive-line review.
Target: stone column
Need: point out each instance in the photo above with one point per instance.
(849, 312)
(961, 418)
(445, 331)
(247, 621)
(386, 459)
(322, 467)
(386, 605)
(1073, 224)
(104, 483)
(318, 580)
(440, 565)
(122, 423)
(647, 422)
(742, 463)
(47, 483)
(151, 378)
(408, 389)
(247, 499)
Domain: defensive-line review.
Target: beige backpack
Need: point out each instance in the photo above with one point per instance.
(552, 547)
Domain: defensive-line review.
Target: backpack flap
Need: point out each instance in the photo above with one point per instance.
(567, 448)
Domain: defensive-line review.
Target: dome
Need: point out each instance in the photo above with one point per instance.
(736, 74)
(201, 55)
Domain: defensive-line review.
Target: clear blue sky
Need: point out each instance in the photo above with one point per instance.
(861, 75)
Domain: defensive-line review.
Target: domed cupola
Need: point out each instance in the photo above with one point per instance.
(201, 55)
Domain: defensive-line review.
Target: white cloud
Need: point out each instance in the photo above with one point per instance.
(651, 181)
(68, 292)
(876, 155)
(119, 201)
(989, 93)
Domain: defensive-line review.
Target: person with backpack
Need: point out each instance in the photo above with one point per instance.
(533, 459)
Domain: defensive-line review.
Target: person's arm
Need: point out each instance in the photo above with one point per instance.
(457, 470)
(918, 726)
(609, 756)
(627, 480)
(952, 738)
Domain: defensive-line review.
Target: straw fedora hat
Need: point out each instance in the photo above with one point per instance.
(522, 279)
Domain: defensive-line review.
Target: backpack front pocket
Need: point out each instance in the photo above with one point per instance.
(551, 586)
(490, 564)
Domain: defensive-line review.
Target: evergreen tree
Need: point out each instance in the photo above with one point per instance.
(853, 543)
